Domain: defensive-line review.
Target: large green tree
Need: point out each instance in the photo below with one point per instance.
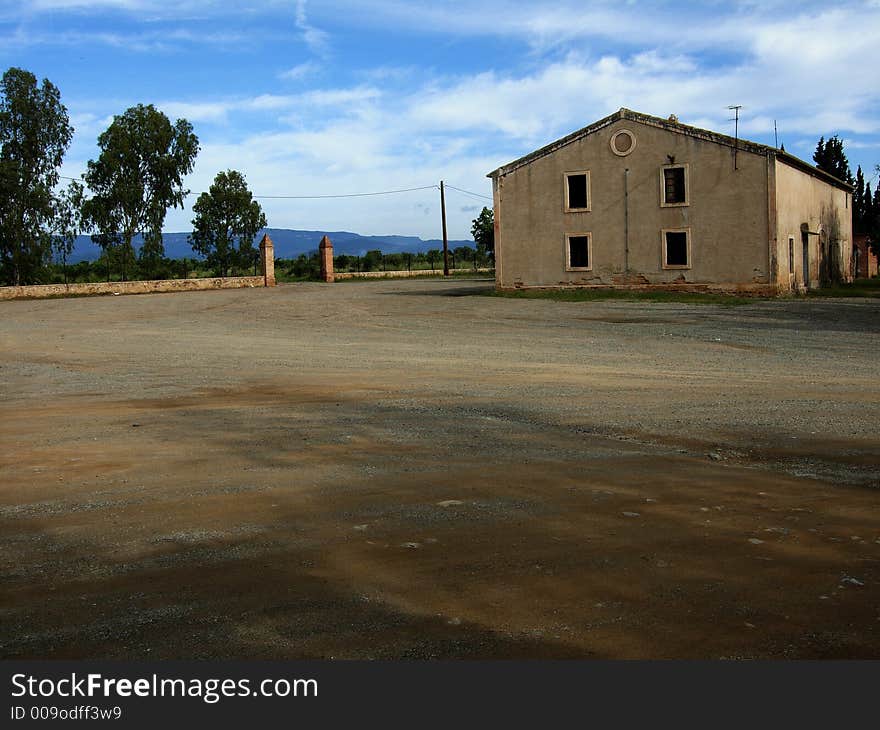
(136, 178)
(226, 220)
(483, 231)
(372, 260)
(34, 135)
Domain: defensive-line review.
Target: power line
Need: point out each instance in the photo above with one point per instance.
(313, 197)
(342, 195)
(468, 192)
(347, 195)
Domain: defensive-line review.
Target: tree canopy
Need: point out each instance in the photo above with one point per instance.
(872, 215)
(483, 231)
(68, 220)
(226, 220)
(830, 157)
(34, 135)
(137, 177)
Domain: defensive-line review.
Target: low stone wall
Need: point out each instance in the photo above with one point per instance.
(404, 274)
(43, 291)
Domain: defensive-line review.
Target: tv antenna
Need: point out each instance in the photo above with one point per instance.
(735, 108)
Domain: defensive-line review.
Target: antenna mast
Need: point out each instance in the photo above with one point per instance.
(735, 108)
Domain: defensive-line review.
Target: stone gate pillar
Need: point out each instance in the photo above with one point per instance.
(267, 258)
(325, 253)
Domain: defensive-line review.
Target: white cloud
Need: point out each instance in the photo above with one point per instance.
(395, 125)
(266, 102)
(340, 97)
(300, 71)
(195, 111)
(857, 145)
(50, 5)
(155, 8)
(148, 41)
(314, 38)
(562, 96)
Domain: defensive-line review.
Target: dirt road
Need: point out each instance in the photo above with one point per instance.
(407, 470)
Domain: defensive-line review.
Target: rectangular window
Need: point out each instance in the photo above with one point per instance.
(674, 185)
(577, 252)
(790, 255)
(677, 248)
(577, 191)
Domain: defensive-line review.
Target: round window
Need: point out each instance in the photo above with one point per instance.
(623, 142)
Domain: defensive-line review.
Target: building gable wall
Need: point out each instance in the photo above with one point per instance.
(726, 216)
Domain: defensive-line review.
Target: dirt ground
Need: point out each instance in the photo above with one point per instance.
(404, 469)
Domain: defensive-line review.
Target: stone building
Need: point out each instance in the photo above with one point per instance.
(865, 264)
(640, 201)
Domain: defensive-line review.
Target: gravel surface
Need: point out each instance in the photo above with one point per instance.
(407, 469)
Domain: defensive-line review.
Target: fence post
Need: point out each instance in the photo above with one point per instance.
(325, 254)
(267, 258)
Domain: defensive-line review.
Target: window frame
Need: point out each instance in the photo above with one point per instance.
(565, 191)
(579, 234)
(663, 250)
(622, 133)
(687, 186)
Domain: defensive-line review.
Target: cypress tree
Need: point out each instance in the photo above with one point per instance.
(819, 154)
(830, 157)
(872, 225)
(859, 216)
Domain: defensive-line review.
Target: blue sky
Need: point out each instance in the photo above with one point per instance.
(328, 97)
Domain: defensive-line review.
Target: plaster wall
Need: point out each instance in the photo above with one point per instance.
(810, 209)
(727, 213)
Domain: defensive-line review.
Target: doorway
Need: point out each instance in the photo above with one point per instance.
(805, 245)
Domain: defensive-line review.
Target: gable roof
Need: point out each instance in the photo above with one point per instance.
(672, 125)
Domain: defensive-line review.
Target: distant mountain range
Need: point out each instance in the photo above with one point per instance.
(288, 244)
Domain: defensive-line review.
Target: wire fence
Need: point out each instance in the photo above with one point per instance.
(461, 260)
(119, 266)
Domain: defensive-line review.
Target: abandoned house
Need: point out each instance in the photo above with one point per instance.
(636, 200)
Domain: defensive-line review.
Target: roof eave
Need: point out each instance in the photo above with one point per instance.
(742, 145)
(553, 146)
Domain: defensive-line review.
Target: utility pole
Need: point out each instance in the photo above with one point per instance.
(735, 108)
(445, 242)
